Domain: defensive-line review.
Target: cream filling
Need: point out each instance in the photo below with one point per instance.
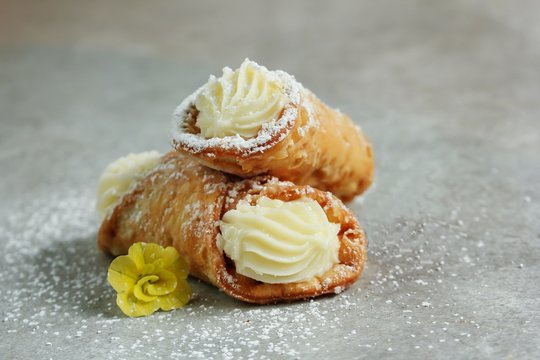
(240, 102)
(279, 242)
(119, 176)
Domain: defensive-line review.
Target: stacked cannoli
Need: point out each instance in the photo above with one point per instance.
(251, 196)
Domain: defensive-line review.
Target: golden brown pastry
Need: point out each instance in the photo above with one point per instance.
(260, 240)
(253, 121)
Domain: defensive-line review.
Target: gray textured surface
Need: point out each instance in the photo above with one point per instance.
(448, 92)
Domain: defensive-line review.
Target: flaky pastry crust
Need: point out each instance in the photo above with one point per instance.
(310, 144)
(180, 204)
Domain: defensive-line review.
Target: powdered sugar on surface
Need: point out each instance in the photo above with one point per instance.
(55, 291)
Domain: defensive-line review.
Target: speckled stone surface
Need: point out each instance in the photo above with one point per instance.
(448, 92)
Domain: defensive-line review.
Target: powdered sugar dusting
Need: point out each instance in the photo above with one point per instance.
(54, 291)
(270, 133)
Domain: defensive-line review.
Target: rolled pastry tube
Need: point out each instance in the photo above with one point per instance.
(261, 240)
(253, 121)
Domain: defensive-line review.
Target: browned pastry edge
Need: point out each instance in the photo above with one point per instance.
(181, 202)
(321, 147)
(352, 251)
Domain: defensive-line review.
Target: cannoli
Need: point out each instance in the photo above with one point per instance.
(260, 240)
(253, 121)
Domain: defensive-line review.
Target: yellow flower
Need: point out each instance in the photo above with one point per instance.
(149, 278)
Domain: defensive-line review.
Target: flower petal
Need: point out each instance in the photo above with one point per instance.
(178, 298)
(134, 308)
(122, 273)
(180, 268)
(136, 253)
(169, 255)
(165, 285)
(152, 253)
(149, 269)
(138, 290)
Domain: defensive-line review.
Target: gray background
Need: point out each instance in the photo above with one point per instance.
(447, 91)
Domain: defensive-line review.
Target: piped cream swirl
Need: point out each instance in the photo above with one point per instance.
(118, 177)
(279, 242)
(240, 102)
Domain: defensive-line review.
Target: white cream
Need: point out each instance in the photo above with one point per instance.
(118, 177)
(279, 242)
(240, 102)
